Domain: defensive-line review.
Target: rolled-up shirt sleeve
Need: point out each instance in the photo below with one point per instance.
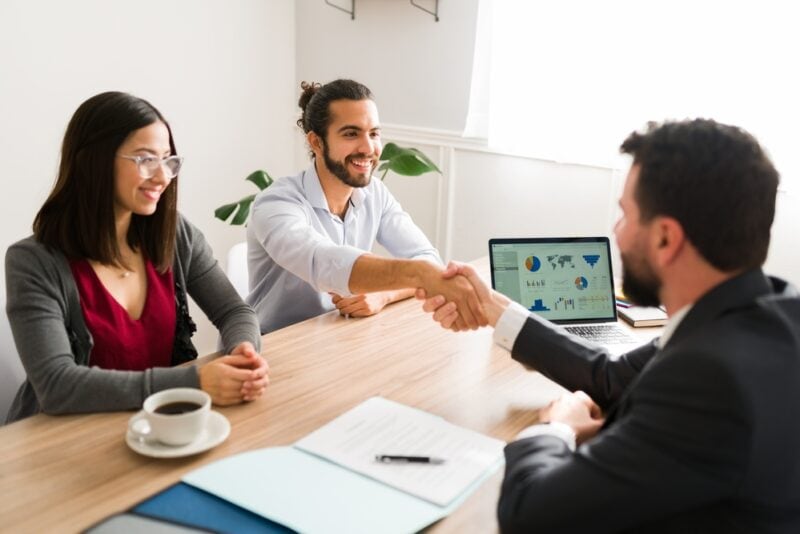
(283, 228)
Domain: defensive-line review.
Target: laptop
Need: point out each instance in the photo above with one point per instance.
(566, 280)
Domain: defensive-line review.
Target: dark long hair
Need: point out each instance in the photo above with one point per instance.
(78, 216)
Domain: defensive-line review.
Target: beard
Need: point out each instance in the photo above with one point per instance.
(339, 169)
(640, 284)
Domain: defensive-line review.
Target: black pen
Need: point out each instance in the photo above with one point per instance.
(396, 458)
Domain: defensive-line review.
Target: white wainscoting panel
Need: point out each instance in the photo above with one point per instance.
(483, 193)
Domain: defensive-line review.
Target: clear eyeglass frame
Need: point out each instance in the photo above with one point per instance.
(148, 165)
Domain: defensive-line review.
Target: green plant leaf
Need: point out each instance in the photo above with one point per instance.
(408, 165)
(238, 212)
(389, 151)
(223, 212)
(261, 179)
(406, 161)
(242, 209)
(430, 165)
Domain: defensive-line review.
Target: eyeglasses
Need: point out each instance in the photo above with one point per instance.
(148, 165)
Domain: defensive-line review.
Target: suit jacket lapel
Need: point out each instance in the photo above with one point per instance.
(738, 292)
(732, 294)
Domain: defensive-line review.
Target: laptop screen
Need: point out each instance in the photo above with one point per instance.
(565, 280)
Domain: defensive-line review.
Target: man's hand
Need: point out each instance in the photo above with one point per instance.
(466, 311)
(445, 312)
(578, 411)
(362, 305)
(240, 376)
(372, 273)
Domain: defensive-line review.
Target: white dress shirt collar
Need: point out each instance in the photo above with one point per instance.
(672, 325)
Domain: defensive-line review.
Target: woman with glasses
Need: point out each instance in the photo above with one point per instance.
(97, 297)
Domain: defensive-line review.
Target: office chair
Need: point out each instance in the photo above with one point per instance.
(237, 268)
(12, 373)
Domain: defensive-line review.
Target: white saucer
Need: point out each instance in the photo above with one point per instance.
(217, 430)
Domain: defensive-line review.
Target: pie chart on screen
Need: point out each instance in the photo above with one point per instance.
(532, 263)
(581, 283)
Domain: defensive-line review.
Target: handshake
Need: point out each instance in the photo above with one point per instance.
(459, 299)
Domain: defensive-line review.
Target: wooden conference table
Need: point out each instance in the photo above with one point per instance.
(64, 473)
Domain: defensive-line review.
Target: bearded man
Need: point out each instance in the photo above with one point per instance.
(310, 235)
(697, 431)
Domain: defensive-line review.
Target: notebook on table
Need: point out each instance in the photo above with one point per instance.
(566, 280)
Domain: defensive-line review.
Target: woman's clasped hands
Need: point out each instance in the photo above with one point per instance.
(242, 375)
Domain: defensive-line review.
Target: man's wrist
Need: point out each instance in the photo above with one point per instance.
(418, 273)
(495, 307)
(371, 274)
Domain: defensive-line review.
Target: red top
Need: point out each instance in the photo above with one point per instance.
(121, 342)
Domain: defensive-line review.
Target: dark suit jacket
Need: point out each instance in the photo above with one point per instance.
(701, 436)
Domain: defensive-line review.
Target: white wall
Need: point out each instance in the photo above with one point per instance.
(483, 194)
(222, 72)
(226, 75)
(784, 248)
(420, 73)
(418, 69)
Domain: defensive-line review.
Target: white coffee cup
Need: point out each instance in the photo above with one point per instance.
(174, 416)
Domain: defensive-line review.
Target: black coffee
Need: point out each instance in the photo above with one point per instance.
(175, 408)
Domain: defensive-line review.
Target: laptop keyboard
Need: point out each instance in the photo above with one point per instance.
(606, 334)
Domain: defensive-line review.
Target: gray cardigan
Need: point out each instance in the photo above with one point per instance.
(54, 344)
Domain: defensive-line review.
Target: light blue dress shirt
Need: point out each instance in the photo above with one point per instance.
(298, 251)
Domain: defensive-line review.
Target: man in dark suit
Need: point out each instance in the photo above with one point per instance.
(698, 431)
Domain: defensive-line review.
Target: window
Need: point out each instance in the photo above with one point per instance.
(569, 79)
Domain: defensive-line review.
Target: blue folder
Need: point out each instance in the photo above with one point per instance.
(187, 505)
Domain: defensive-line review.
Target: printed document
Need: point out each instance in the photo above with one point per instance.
(330, 482)
(379, 426)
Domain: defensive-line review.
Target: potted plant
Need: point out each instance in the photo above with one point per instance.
(400, 160)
